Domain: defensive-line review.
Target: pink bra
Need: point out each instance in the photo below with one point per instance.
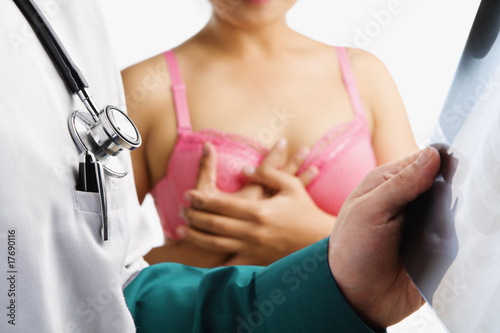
(343, 156)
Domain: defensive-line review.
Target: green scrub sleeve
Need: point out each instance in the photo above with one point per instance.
(295, 294)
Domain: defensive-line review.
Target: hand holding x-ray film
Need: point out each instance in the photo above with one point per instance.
(452, 238)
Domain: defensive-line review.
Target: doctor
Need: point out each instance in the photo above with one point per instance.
(59, 275)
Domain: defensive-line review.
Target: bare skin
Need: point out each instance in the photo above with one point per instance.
(364, 245)
(243, 66)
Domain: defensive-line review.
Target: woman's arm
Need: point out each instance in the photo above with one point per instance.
(392, 137)
(151, 107)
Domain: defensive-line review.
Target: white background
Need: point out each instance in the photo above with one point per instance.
(420, 42)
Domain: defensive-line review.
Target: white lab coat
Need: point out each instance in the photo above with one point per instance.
(61, 277)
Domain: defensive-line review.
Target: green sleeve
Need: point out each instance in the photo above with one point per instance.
(295, 294)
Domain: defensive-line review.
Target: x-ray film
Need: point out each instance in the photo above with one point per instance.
(451, 247)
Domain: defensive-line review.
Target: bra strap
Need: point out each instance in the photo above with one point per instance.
(178, 92)
(350, 81)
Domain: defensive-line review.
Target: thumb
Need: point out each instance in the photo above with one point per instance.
(406, 185)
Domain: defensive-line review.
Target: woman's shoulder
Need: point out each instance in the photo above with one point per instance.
(154, 67)
(373, 81)
(148, 94)
(147, 83)
(367, 68)
(362, 60)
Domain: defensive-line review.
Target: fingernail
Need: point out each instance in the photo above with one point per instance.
(182, 214)
(302, 153)
(188, 196)
(281, 143)
(206, 151)
(312, 172)
(181, 232)
(248, 170)
(424, 157)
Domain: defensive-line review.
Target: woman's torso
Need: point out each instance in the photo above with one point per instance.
(311, 107)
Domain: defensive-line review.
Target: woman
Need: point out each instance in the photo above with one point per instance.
(242, 83)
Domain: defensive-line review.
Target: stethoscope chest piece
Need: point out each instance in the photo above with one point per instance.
(103, 133)
(100, 135)
(112, 133)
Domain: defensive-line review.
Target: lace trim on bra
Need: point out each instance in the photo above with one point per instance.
(327, 147)
(218, 137)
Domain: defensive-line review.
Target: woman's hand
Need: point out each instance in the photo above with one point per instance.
(260, 224)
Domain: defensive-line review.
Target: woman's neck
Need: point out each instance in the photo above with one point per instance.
(243, 42)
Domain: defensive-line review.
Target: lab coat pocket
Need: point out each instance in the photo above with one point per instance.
(88, 202)
(88, 205)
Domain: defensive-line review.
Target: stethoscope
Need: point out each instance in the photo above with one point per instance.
(100, 135)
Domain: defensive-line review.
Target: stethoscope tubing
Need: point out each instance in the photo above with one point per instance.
(98, 137)
(71, 75)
